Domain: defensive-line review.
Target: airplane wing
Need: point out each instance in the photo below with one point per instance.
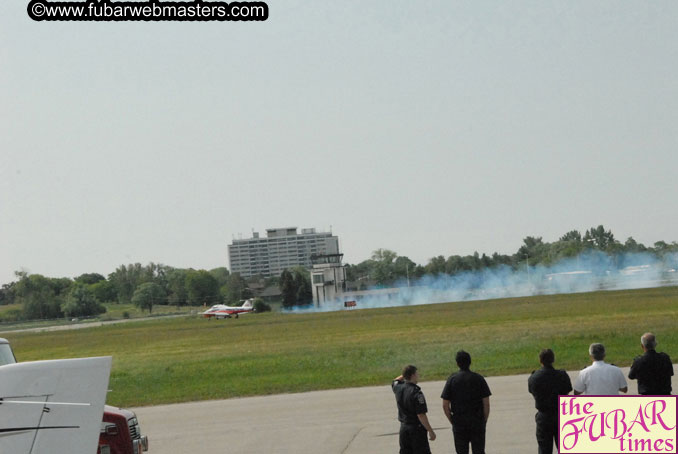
(53, 406)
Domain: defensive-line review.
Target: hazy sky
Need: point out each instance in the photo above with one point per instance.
(438, 127)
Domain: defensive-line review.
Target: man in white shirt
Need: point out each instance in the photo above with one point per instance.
(600, 378)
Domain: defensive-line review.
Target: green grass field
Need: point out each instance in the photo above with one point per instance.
(114, 311)
(189, 358)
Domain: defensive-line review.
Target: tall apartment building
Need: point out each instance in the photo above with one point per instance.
(282, 248)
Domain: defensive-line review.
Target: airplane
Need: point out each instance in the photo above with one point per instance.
(220, 311)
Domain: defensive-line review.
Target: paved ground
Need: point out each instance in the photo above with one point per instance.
(351, 421)
(81, 325)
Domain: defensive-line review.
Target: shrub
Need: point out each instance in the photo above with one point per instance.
(260, 306)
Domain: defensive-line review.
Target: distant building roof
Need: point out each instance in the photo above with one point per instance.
(270, 291)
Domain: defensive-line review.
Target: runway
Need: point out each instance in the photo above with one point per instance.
(344, 421)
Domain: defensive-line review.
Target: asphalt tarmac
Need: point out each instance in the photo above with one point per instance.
(344, 421)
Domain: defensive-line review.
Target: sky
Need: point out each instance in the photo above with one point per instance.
(428, 128)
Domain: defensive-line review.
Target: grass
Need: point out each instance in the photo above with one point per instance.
(114, 311)
(188, 358)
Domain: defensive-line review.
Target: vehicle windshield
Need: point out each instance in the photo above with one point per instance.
(6, 355)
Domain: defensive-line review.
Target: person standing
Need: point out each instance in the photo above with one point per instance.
(412, 411)
(600, 378)
(546, 384)
(653, 370)
(466, 404)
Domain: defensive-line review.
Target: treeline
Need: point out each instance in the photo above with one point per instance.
(42, 297)
(295, 287)
(385, 267)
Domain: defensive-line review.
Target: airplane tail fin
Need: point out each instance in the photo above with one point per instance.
(247, 303)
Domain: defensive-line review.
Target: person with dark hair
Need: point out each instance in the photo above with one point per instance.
(466, 404)
(653, 370)
(412, 411)
(546, 384)
(600, 378)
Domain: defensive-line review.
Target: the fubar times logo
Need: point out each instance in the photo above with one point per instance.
(617, 424)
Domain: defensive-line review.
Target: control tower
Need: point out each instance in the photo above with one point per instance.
(328, 277)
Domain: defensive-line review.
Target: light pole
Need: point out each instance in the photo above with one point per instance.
(527, 267)
(407, 271)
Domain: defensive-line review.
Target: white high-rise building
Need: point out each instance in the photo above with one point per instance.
(281, 249)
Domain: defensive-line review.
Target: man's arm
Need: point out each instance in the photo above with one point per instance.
(396, 381)
(579, 386)
(567, 384)
(423, 419)
(669, 364)
(486, 407)
(633, 373)
(622, 382)
(447, 411)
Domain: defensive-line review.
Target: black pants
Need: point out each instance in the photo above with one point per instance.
(413, 439)
(469, 430)
(547, 431)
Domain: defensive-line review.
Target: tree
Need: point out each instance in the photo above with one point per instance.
(662, 247)
(247, 293)
(8, 294)
(499, 259)
(81, 302)
(384, 255)
(533, 251)
(155, 272)
(288, 289)
(235, 289)
(61, 285)
(260, 306)
(572, 235)
(147, 295)
(599, 238)
(436, 265)
(176, 287)
(631, 245)
(383, 271)
(403, 268)
(221, 274)
(302, 282)
(202, 288)
(126, 279)
(363, 271)
(89, 278)
(40, 297)
(104, 291)
(295, 286)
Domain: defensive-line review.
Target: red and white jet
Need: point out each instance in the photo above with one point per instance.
(220, 311)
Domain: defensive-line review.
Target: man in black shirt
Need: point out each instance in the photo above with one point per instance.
(653, 370)
(466, 404)
(412, 413)
(546, 384)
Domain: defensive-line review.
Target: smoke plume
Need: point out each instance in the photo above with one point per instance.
(591, 271)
